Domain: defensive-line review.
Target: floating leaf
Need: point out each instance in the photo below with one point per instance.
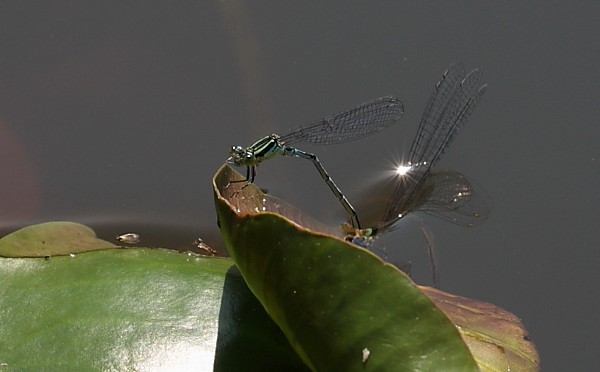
(135, 309)
(51, 239)
(119, 309)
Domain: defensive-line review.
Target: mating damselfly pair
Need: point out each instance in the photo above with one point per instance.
(448, 195)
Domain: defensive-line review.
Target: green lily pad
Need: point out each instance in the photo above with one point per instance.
(51, 239)
(120, 309)
(135, 309)
(340, 307)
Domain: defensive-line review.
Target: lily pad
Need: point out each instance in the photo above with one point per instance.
(340, 306)
(120, 309)
(135, 309)
(51, 239)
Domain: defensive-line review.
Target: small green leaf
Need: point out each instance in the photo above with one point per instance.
(51, 239)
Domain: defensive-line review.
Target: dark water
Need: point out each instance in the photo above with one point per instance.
(118, 116)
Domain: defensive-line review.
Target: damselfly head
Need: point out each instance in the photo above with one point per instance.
(237, 155)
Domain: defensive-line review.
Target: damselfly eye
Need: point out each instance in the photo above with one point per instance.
(237, 151)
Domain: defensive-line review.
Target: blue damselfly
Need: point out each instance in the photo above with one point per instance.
(361, 121)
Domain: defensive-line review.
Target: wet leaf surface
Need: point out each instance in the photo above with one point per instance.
(119, 309)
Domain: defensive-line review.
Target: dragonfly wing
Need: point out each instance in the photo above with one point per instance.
(361, 121)
(456, 199)
(452, 102)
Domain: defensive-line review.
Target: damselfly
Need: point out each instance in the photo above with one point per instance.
(363, 120)
(448, 195)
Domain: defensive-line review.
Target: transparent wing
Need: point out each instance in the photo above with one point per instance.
(447, 195)
(361, 121)
(451, 104)
(456, 199)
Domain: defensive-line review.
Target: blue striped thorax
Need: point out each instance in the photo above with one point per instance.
(265, 148)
